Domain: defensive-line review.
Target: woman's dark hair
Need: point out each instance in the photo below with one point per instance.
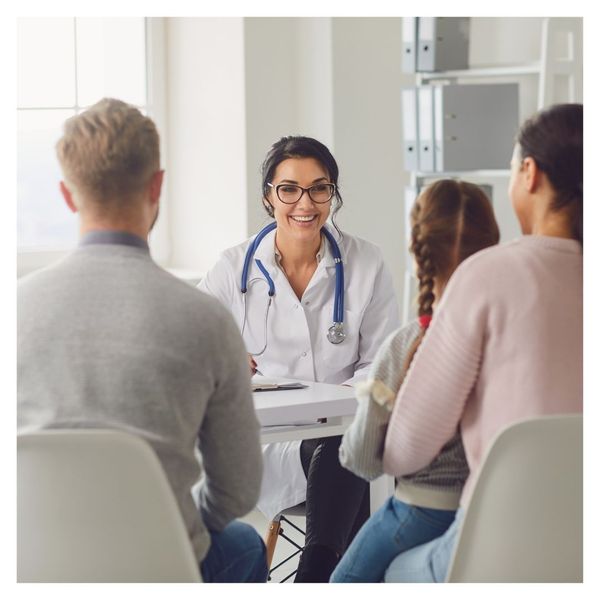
(298, 146)
(554, 139)
(451, 220)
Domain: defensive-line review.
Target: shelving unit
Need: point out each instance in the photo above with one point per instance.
(546, 69)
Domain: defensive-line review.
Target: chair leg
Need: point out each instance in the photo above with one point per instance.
(271, 540)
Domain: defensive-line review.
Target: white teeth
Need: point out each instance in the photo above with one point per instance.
(304, 219)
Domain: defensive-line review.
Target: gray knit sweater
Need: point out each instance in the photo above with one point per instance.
(438, 485)
(107, 339)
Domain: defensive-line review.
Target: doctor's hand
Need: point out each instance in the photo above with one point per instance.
(252, 364)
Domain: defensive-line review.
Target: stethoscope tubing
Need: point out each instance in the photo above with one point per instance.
(250, 253)
(338, 308)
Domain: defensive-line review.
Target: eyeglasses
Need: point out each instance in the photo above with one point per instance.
(290, 193)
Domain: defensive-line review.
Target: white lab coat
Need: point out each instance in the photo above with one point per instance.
(297, 344)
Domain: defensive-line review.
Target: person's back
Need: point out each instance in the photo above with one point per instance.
(107, 339)
(532, 365)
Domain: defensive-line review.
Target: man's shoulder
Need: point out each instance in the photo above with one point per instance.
(38, 279)
(200, 310)
(82, 275)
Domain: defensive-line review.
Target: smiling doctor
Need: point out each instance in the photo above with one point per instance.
(312, 303)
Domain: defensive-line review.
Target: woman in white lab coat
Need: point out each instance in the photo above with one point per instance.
(286, 315)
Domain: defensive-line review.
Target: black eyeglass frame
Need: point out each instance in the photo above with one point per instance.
(332, 188)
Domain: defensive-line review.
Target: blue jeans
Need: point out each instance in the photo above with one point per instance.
(236, 555)
(427, 563)
(394, 528)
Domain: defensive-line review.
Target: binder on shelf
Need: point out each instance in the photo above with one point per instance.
(443, 43)
(410, 129)
(409, 44)
(475, 125)
(426, 131)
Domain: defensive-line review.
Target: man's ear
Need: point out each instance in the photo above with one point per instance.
(532, 174)
(68, 196)
(155, 185)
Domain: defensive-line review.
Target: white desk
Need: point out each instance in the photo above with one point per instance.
(335, 404)
(278, 410)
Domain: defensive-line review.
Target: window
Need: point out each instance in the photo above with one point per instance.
(65, 65)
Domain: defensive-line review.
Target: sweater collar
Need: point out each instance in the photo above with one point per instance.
(122, 238)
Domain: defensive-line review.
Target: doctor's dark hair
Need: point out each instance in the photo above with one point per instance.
(450, 220)
(554, 139)
(297, 146)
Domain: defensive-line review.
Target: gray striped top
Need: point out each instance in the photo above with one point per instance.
(438, 485)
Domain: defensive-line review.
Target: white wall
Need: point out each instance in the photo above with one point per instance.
(270, 89)
(206, 162)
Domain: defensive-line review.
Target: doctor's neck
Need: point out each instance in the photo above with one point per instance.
(297, 253)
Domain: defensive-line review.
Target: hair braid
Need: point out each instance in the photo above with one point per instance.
(425, 271)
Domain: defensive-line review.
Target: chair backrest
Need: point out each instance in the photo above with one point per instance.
(96, 506)
(524, 522)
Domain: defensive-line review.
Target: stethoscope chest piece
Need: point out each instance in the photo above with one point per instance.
(335, 334)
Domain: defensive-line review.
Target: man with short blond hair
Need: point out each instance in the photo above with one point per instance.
(107, 339)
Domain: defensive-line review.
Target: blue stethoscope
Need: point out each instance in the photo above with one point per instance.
(335, 334)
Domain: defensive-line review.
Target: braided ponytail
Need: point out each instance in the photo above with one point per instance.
(425, 271)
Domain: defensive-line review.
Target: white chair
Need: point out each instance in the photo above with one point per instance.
(96, 506)
(524, 522)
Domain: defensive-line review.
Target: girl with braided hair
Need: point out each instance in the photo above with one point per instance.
(450, 220)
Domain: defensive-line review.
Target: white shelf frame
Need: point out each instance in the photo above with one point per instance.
(491, 71)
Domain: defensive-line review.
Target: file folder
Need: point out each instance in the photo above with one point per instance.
(475, 125)
(410, 130)
(443, 43)
(425, 118)
(409, 44)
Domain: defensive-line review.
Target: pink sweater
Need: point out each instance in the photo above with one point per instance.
(505, 344)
